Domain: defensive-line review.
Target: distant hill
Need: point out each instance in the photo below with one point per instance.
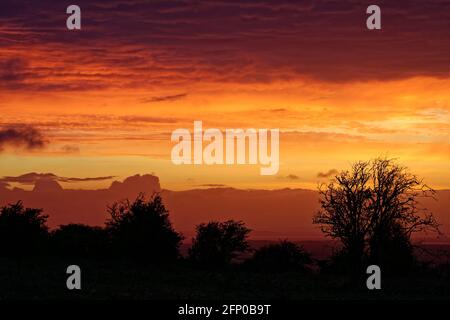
(272, 214)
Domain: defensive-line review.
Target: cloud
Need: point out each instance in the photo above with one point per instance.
(150, 44)
(28, 178)
(327, 174)
(22, 136)
(212, 185)
(148, 119)
(12, 70)
(290, 177)
(63, 179)
(278, 110)
(32, 177)
(68, 148)
(165, 98)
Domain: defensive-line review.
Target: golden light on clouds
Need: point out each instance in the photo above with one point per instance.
(108, 97)
(323, 125)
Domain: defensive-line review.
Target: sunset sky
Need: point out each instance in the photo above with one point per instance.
(103, 101)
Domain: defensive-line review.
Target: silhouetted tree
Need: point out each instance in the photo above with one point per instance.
(217, 243)
(392, 250)
(280, 257)
(142, 229)
(79, 240)
(372, 206)
(23, 231)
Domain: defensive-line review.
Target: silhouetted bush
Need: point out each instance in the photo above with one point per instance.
(217, 243)
(280, 257)
(79, 240)
(339, 263)
(23, 231)
(141, 229)
(392, 251)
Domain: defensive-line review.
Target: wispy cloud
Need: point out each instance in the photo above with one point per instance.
(145, 119)
(32, 177)
(165, 98)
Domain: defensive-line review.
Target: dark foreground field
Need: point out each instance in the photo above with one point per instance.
(46, 279)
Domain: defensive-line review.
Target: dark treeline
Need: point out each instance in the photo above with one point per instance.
(371, 209)
(141, 231)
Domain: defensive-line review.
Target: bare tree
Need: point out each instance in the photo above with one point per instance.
(374, 201)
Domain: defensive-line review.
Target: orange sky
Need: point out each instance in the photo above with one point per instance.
(107, 98)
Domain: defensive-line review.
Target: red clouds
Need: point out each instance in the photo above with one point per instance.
(147, 44)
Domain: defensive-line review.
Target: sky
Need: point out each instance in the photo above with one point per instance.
(102, 102)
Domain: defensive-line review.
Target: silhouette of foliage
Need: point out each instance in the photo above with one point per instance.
(217, 243)
(280, 257)
(392, 251)
(23, 231)
(338, 263)
(80, 240)
(142, 229)
(372, 206)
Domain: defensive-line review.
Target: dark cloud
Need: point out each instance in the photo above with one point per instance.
(63, 179)
(22, 136)
(140, 43)
(32, 177)
(165, 98)
(327, 174)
